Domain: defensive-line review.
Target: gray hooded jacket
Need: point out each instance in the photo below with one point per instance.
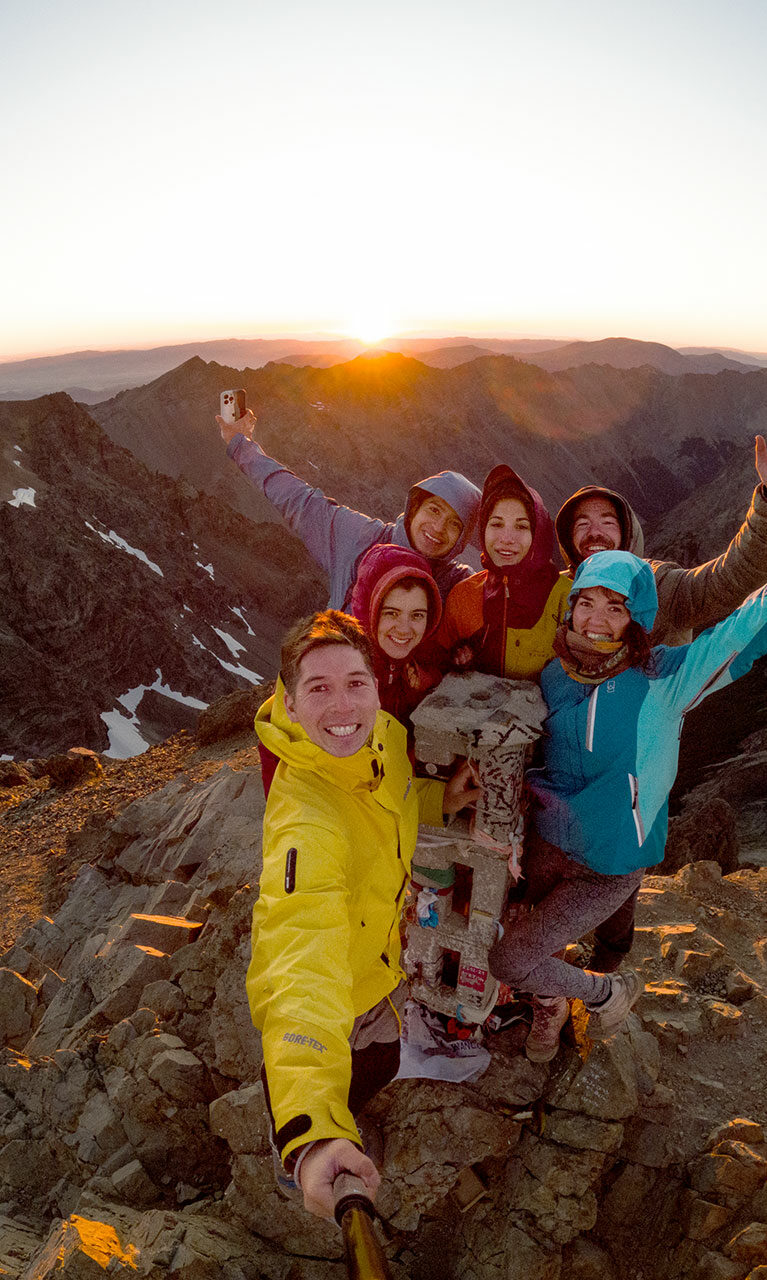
(336, 536)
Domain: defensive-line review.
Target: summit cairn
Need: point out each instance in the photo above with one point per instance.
(463, 874)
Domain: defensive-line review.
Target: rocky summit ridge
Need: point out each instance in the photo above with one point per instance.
(132, 1126)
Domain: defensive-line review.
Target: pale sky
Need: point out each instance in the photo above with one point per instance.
(183, 169)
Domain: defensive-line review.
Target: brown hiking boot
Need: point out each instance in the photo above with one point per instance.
(549, 1017)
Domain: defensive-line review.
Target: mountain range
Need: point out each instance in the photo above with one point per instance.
(92, 376)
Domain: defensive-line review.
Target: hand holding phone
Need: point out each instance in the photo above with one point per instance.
(233, 405)
(235, 416)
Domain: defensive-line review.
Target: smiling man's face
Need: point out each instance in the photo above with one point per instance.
(435, 528)
(335, 699)
(596, 527)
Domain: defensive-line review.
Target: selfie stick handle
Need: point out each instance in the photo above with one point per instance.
(355, 1214)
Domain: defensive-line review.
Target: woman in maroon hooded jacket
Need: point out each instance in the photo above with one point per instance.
(398, 603)
(504, 619)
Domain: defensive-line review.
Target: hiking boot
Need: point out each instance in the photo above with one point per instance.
(549, 1017)
(607, 1018)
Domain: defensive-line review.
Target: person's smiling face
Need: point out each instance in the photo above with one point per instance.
(335, 700)
(596, 527)
(402, 621)
(435, 528)
(508, 533)
(600, 614)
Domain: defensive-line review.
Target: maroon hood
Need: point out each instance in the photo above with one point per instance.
(380, 569)
(503, 482)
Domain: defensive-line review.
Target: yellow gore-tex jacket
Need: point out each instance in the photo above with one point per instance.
(339, 836)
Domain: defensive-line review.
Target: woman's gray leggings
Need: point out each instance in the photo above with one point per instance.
(568, 900)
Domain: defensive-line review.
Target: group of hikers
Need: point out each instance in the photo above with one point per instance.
(609, 639)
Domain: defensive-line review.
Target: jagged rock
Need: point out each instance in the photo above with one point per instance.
(99, 1132)
(232, 714)
(705, 832)
(730, 1173)
(738, 987)
(19, 1242)
(489, 1245)
(653, 1145)
(164, 933)
(714, 1266)
(703, 1218)
(80, 1249)
(584, 1132)
(737, 1130)
(75, 765)
(430, 1137)
(133, 1184)
(253, 1197)
(605, 1087)
(181, 1075)
(164, 998)
(585, 1260)
(723, 1019)
(749, 1245)
(240, 1118)
(18, 1001)
(213, 825)
(565, 1173)
(119, 974)
(623, 1206)
(13, 774)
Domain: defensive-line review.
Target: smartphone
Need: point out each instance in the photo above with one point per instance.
(233, 405)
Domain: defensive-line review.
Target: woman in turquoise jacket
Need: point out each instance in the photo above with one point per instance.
(616, 708)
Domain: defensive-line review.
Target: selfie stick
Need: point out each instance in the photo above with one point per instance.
(355, 1214)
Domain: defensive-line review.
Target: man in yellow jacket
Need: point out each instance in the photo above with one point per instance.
(339, 833)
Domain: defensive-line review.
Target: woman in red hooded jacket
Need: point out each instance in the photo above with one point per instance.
(504, 619)
(398, 603)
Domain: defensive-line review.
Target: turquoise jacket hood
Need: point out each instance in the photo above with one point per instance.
(625, 573)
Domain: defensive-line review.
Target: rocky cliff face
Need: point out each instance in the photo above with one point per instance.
(115, 580)
(132, 1127)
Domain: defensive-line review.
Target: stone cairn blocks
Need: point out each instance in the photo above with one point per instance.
(493, 722)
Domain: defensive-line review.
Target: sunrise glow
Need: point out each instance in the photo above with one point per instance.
(437, 168)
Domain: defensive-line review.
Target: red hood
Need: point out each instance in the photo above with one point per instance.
(380, 569)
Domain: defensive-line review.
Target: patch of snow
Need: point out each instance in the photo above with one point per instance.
(206, 568)
(187, 609)
(316, 404)
(199, 644)
(4, 758)
(124, 737)
(239, 614)
(18, 449)
(234, 646)
(122, 545)
(239, 670)
(16, 462)
(22, 497)
(124, 731)
(185, 698)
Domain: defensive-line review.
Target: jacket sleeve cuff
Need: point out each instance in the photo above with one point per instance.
(331, 1122)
